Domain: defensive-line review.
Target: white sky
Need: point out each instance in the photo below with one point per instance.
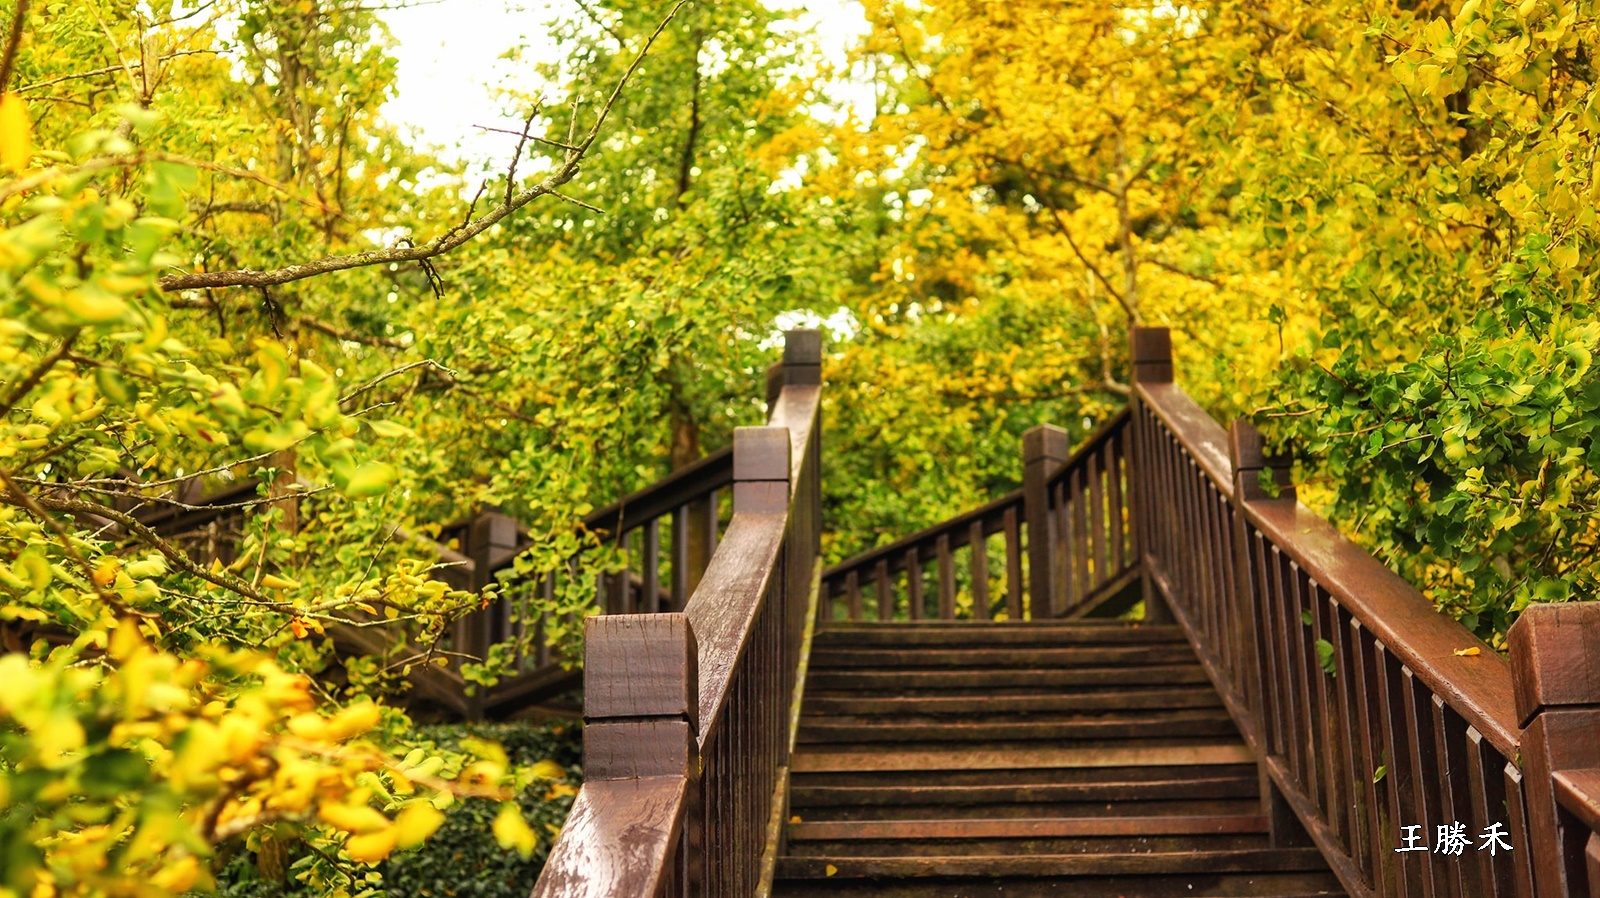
(449, 56)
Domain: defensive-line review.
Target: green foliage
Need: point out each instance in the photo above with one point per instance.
(462, 859)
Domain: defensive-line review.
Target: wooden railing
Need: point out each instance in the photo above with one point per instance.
(1376, 719)
(1077, 499)
(681, 514)
(665, 534)
(687, 715)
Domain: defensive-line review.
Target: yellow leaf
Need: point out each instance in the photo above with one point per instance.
(16, 140)
(795, 819)
(370, 847)
(830, 870)
(273, 581)
(1467, 653)
(352, 819)
(511, 831)
(416, 823)
(548, 770)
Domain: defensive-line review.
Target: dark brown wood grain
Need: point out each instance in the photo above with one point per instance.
(618, 840)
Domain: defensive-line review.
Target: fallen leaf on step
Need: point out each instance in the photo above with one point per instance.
(795, 819)
(1467, 652)
(830, 870)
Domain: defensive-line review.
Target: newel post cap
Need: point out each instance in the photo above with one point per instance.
(1150, 349)
(1046, 441)
(641, 666)
(760, 469)
(1555, 657)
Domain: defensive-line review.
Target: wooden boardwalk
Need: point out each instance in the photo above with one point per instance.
(952, 715)
(1084, 758)
(955, 713)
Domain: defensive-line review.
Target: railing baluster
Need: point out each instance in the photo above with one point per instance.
(1379, 822)
(914, 582)
(1361, 834)
(852, 592)
(680, 557)
(978, 569)
(1426, 777)
(1080, 573)
(1099, 551)
(1115, 455)
(885, 589)
(1014, 583)
(947, 578)
(651, 602)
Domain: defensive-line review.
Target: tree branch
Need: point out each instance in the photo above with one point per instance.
(440, 244)
(13, 41)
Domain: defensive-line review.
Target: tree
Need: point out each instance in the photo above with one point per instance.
(172, 704)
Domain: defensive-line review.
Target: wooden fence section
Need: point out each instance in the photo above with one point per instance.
(687, 714)
(1376, 719)
(665, 535)
(1079, 500)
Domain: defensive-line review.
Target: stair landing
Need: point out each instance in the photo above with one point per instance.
(1084, 759)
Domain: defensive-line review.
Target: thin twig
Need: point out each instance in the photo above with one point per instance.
(13, 41)
(444, 242)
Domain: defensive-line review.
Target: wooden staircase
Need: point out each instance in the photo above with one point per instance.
(1085, 758)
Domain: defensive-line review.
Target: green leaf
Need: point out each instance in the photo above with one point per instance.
(369, 479)
(1325, 656)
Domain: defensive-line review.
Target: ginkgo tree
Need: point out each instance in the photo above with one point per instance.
(198, 220)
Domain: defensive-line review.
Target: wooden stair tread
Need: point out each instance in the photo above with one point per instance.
(843, 657)
(1163, 825)
(1121, 788)
(896, 681)
(1260, 860)
(1010, 760)
(1110, 698)
(999, 759)
(990, 728)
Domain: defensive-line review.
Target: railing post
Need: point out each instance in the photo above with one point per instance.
(1246, 452)
(802, 367)
(760, 470)
(1150, 351)
(1045, 450)
(489, 536)
(1555, 675)
(1150, 360)
(641, 712)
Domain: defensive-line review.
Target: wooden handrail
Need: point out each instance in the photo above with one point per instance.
(1369, 710)
(1075, 498)
(700, 700)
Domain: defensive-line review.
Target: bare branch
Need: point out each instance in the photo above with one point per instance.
(37, 374)
(107, 70)
(442, 243)
(351, 336)
(13, 41)
(523, 134)
(396, 372)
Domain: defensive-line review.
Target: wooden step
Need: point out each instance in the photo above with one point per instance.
(931, 808)
(990, 728)
(1104, 699)
(1022, 776)
(1254, 860)
(1032, 828)
(1034, 787)
(1221, 885)
(1028, 681)
(827, 657)
(1002, 757)
(939, 633)
(1035, 845)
